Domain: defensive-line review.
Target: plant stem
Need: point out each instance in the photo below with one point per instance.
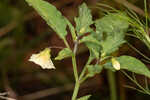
(73, 58)
(78, 80)
(83, 79)
(66, 43)
(75, 67)
(76, 89)
(77, 84)
(75, 47)
(74, 61)
(84, 69)
(112, 84)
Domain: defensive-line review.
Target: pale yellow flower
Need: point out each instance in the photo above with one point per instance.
(43, 59)
(82, 30)
(115, 64)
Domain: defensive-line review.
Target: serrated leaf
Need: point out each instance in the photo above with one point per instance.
(84, 97)
(84, 20)
(66, 52)
(51, 15)
(131, 64)
(94, 69)
(111, 29)
(112, 43)
(111, 23)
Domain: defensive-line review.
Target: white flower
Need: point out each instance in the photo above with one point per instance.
(43, 59)
(115, 64)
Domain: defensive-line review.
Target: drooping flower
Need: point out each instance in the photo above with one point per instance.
(43, 59)
(115, 64)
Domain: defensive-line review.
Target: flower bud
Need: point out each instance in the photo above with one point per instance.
(115, 64)
(82, 30)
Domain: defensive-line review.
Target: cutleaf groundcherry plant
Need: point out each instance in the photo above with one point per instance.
(101, 43)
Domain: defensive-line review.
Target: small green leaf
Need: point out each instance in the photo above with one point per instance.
(93, 45)
(84, 20)
(66, 52)
(89, 38)
(94, 69)
(84, 97)
(111, 29)
(51, 15)
(95, 49)
(131, 64)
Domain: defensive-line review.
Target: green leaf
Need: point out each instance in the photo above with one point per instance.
(131, 64)
(84, 97)
(95, 49)
(111, 23)
(51, 15)
(112, 43)
(111, 29)
(89, 38)
(66, 52)
(94, 69)
(93, 45)
(84, 20)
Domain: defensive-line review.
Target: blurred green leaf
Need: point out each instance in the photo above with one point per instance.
(5, 42)
(66, 52)
(84, 97)
(94, 69)
(84, 20)
(51, 15)
(5, 18)
(131, 64)
(111, 29)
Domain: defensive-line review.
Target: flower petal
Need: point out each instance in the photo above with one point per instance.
(43, 59)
